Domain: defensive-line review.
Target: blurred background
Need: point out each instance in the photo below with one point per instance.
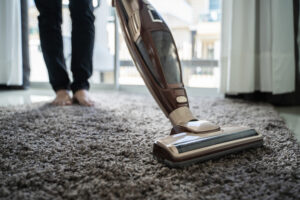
(195, 25)
(228, 48)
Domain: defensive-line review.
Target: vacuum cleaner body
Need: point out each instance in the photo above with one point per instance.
(154, 52)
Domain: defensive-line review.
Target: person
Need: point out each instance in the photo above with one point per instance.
(83, 34)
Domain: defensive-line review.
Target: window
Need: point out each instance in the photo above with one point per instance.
(214, 5)
(197, 41)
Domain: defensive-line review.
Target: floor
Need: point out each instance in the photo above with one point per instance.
(291, 115)
(106, 152)
(18, 97)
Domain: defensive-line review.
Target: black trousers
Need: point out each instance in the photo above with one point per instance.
(83, 34)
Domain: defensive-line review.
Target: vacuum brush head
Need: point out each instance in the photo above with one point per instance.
(186, 148)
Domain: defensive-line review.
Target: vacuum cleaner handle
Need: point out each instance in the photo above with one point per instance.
(154, 52)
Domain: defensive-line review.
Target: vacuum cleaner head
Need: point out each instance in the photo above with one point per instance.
(186, 148)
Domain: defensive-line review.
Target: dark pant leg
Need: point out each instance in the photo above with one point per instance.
(50, 20)
(83, 33)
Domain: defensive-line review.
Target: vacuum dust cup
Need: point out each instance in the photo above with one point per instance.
(154, 52)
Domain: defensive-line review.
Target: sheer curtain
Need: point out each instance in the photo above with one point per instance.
(11, 43)
(257, 47)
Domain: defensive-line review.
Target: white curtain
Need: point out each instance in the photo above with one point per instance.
(10, 43)
(257, 46)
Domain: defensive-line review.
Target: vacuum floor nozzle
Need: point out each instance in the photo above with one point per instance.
(212, 140)
(186, 148)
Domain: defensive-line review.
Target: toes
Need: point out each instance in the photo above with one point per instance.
(61, 102)
(88, 104)
(54, 103)
(91, 103)
(68, 102)
(85, 102)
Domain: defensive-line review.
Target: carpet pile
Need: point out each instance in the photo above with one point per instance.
(104, 152)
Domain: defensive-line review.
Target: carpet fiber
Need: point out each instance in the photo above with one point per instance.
(75, 152)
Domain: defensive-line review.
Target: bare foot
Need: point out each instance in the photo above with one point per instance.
(83, 98)
(62, 98)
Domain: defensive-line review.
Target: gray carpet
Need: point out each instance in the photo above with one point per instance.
(104, 152)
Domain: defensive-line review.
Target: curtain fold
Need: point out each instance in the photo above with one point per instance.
(257, 47)
(25, 43)
(11, 70)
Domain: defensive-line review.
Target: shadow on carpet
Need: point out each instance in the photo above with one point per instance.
(104, 152)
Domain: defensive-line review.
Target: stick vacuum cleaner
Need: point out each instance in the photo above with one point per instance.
(154, 52)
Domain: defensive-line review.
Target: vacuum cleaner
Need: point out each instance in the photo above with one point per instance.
(154, 52)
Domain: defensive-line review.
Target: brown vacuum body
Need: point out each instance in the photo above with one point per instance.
(152, 47)
(154, 52)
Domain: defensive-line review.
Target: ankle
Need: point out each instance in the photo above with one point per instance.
(62, 92)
